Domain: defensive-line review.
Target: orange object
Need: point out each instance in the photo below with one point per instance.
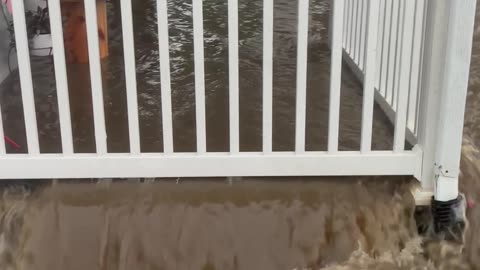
(75, 32)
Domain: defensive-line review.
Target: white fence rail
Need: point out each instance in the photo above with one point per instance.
(381, 40)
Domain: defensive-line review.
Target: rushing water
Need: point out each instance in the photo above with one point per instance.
(294, 223)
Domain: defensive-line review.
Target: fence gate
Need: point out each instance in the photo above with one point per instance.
(412, 57)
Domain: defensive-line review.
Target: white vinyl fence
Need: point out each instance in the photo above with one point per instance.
(412, 57)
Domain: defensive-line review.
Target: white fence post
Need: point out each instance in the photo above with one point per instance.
(448, 45)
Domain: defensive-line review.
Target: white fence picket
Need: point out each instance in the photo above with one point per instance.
(335, 76)
(301, 99)
(233, 75)
(384, 63)
(162, 11)
(267, 74)
(405, 65)
(369, 82)
(61, 76)
(415, 69)
(199, 76)
(25, 72)
(131, 78)
(96, 76)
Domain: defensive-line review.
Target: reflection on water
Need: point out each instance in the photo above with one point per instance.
(334, 223)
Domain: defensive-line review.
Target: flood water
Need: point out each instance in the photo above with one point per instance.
(275, 223)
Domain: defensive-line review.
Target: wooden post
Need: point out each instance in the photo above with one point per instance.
(75, 33)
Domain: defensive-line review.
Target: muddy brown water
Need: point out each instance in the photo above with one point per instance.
(254, 223)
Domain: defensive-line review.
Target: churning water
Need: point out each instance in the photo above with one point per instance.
(294, 223)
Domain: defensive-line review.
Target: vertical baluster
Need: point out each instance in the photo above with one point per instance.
(391, 61)
(415, 65)
(386, 47)
(352, 28)
(162, 11)
(335, 76)
(61, 76)
(404, 76)
(25, 72)
(380, 47)
(356, 30)
(199, 75)
(302, 47)
(233, 74)
(363, 29)
(369, 82)
(399, 48)
(267, 74)
(130, 76)
(96, 76)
